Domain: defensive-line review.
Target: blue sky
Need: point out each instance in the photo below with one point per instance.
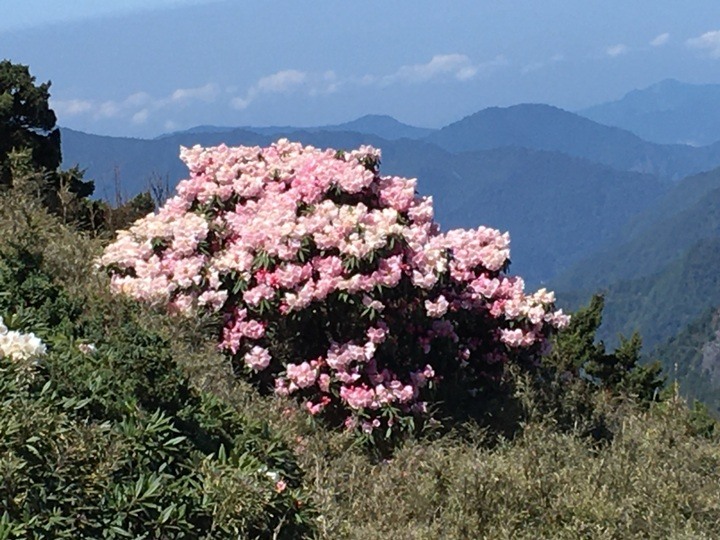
(141, 68)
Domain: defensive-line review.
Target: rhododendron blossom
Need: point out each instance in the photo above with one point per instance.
(19, 346)
(334, 284)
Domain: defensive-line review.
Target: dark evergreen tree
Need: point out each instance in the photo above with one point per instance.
(28, 124)
(576, 353)
(26, 120)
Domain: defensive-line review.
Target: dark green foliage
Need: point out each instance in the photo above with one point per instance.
(575, 347)
(577, 354)
(579, 377)
(112, 441)
(26, 120)
(27, 128)
(123, 215)
(29, 293)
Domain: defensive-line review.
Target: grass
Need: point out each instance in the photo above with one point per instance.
(652, 481)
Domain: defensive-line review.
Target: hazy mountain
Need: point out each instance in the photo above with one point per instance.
(371, 124)
(667, 112)
(383, 126)
(557, 208)
(544, 127)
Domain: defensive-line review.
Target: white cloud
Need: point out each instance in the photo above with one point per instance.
(240, 103)
(440, 64)
(107, 109)
(535, 66)
(136, 107)
(367, 80)
(140, 117)
(207, 93)
(332, 84)
(288, 81)
(70, 107)
(616, 50)
(660, 40)
(137, 99)
(281, 82)
(708, 42)
(455, 66)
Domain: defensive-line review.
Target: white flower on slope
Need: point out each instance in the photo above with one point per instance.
(19, 346)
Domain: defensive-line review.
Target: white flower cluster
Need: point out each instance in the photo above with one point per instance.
(18, 346)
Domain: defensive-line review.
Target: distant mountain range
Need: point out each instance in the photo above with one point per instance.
(667, 112)
(372, 124)
(544, 127)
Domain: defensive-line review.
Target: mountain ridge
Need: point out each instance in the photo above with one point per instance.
(545, 127)
(382, 125)
(666, 112)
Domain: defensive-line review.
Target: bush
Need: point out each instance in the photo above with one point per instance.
(332, 282)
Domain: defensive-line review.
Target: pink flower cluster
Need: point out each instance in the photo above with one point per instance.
(334, 282)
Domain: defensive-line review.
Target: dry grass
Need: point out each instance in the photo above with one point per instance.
(654, 480)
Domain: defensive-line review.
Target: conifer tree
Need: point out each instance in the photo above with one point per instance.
(28, 124)
(576, 352)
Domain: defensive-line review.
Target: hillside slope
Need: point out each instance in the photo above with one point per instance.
(660, 305)
(689, 212)
(693, 358)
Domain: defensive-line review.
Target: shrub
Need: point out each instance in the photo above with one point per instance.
(333, 283)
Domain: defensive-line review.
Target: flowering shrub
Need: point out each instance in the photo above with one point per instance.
(334, 283)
